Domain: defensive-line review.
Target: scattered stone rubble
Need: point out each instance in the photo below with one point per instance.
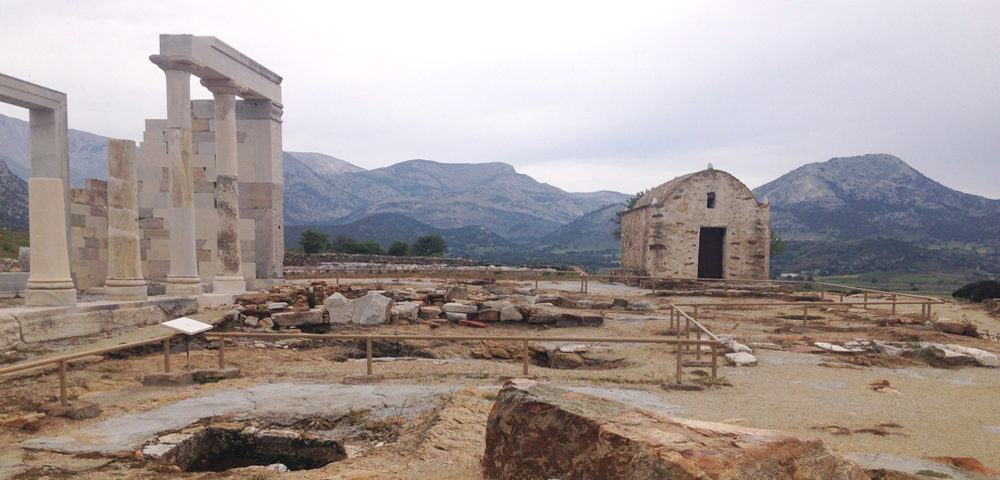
(292, 306)
(935, 353)
(600, 438)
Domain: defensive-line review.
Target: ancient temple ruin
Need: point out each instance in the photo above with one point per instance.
(209, 181)
(705, 224)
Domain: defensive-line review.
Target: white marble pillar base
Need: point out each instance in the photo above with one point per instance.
(40, 294)
(125, 289)
(183, 286)
(229, 285)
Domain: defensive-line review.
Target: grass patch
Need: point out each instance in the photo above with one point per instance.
(11, 241)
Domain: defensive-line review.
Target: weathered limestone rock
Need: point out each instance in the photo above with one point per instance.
(430, 312)
(74, 410)
(568, 319)
(565, 360)
(511, 314)
(599, 438)
(542, 315)
(641, 306)
(488, 315)
(584, 304)
(953, 327)
(294, 319)
(49, 282)
(168, 379)
(30, 422)
(731, 345)
(459, 308)
(456, 293)
(406, 310)
(741, 359)
(372, 309)
(455, 316)
(203, 375)
(24, 258)
(340, 308)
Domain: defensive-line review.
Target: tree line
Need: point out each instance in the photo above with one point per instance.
(314, 241)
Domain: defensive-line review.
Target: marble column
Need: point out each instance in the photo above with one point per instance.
(125, 280)
(182, 279)
(228, 258)
(49, 282)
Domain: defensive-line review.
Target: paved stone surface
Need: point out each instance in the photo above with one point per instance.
(279, 403)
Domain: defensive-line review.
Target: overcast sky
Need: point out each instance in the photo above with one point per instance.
(584, 96)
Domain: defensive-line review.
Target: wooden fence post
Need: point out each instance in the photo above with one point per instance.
(368, 354)
(166, 355)
(680, 352)
(222, 353)
(62, 383)
(525, 359)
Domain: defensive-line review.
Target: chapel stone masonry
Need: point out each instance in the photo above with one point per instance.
(705, 224)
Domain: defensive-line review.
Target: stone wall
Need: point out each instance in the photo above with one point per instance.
(660, 236)
(88, 217)
(261, 191)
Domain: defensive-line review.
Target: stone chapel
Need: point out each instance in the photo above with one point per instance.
(705, 224)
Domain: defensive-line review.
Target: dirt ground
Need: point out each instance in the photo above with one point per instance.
(924, 410)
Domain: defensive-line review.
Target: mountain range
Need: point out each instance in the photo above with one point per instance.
(491, 212)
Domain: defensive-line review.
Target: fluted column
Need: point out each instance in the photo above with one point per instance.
(182, 279)
(228, 258)
(49, 281)
(125, 280)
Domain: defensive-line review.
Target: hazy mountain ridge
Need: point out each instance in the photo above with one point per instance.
(14, 208)
(876, 195)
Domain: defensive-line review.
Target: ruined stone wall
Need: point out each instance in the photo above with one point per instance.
(260, 192)
(88, 215)
(661, 235)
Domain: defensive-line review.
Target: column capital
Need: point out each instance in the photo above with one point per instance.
(166, 63)
(222, 85)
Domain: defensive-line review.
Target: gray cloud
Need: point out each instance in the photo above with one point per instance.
(583, 96)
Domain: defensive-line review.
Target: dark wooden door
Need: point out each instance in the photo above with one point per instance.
(710, 244)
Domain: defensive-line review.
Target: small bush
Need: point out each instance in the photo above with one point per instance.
(979, 291)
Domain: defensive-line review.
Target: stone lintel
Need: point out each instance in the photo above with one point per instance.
(211, 58)
(28, 95)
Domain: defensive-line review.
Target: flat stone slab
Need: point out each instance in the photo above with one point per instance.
(912, 465)
(280, 403)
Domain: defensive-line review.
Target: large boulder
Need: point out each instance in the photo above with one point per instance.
(296, 318)
(372, 309)
(459, 308)
(406, 310)
(599, 438)
(341, 309)
(511, 313)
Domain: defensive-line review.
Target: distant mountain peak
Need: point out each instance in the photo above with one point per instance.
(875, 195)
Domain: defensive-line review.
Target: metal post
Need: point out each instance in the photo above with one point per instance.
(680, 352)
(62, 383)
(524, 354)
(894, 304)
(222, 353)
(715, 361)
(166, 355)
(368, 353)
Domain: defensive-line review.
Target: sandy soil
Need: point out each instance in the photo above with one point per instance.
(927, 411)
